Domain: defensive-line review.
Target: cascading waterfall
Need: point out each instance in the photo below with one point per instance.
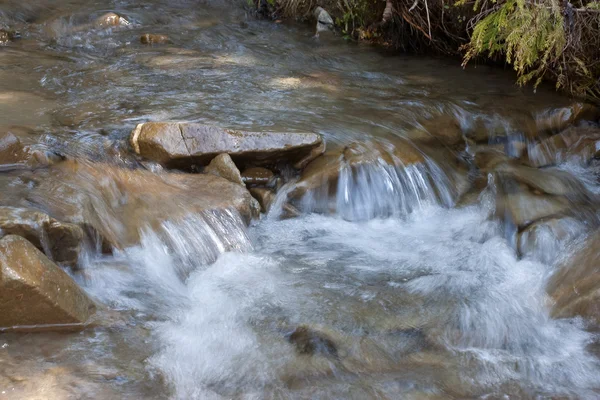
(380, 189)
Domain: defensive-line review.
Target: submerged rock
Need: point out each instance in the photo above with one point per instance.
(562, 118)
(526, 196)
(12, 151)
(549, 181)
(309, 341)
(35, 294)
(186, 145)
(324, 172)
(60, 241)
(546, 239)
(13, 155)
(522, 207)
(7, 36)
(488, 158)
(119, 203)
(576, 286)
(258, 176)
(223, 166)
(579, 144)
(111, 19)
(152, 38)
(444, 129)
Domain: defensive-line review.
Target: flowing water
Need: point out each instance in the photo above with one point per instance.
(406, 293)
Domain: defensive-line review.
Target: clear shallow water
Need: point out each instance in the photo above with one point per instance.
(430, 302)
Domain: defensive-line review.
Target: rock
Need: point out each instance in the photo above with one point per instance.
(523, 207)
(258, 176)
(562, 118)
(488, 158)
(223, 166)
(119, 203)
(314, 153)
(322, 174)
(576, 286)
(444, 129)
(7, 36)
(35, 293)
(580, 144)
(264, 196)
(184, 145)
(545, 240)
(13, 155)
(110, 20)
(60, 241)
(289, 211)
(310, 342)
(324, 20)
(12, 152)
(151, 38)
(554, 182)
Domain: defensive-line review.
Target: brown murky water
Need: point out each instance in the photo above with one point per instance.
(434, 302)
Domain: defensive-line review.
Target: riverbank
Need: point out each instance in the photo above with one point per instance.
(547, 41)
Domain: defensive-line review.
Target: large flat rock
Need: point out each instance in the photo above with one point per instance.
(186, 145)
(35, 294)
(119, 203)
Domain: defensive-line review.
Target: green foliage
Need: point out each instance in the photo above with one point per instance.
(355, 14)
(540, 39)
(530, 36)
(595, 5)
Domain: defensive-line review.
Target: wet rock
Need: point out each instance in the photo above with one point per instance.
(258, 176)
(7, 36)
(118, 203)
(185, 145)
(12, 151)
(470, 197)
(60, 241)
(151, 38)
(545, 240)
(35, 293)
(311, 342)
(579, 144)
(223, 166)
(264, 197)
(323, 173)
(444, 129)
(13, 155)
(289, 211)
(488, 158)
(313, 154)
(576, 286)
(562, 118)
(110, 20)
(324, 20)
(523, 207)
(549, 181)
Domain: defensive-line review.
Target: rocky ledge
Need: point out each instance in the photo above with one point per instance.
(189, 146)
